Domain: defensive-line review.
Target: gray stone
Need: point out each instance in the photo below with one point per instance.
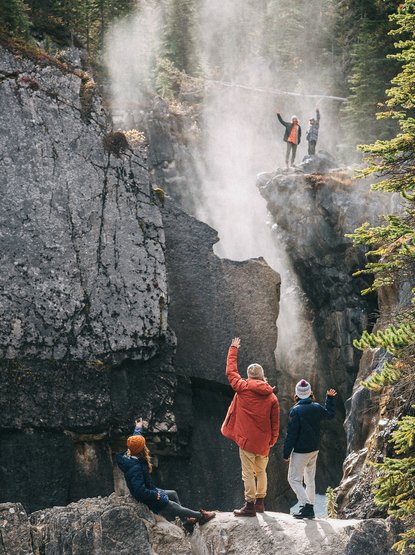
(280, 533)
(14, 530)
(212, 300)
(104, 526)
(82, 243)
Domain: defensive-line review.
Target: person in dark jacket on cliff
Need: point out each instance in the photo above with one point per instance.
(302, 444)
(292, 136)
(252, 422)
(312, 133)
(136, 466)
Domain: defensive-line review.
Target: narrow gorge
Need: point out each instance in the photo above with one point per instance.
(147, 218)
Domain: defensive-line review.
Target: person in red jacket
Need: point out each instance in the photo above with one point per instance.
(252, 422)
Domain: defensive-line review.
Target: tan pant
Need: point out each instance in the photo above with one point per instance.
(254, 466)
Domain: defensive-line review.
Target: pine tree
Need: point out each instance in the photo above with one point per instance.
(392, 260)
(14, 19)
(368, 72)
(178, 35)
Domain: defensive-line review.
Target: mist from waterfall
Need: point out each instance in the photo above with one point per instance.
(241, 135)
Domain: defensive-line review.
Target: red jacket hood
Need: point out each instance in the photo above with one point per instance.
(259, 386)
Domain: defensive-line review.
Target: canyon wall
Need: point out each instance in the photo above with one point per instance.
(100, 284)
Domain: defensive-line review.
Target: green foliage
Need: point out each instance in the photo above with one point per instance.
(65, 21)
(167, 78)
(391, 257)
(393, 339)
(331, 502)
(179, 38)
(369, 74)
(14, 19)
(394, 487)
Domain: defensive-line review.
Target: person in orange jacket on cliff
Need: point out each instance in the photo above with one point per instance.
(252, 422)
(292, 136)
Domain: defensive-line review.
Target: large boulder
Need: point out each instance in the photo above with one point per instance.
(118, 524)
(272, 533)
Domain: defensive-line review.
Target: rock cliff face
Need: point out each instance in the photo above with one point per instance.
(212, 300)
(371, 419)
(88, 332)
(105, 526)
(312, 213)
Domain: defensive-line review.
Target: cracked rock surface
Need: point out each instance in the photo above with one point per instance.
(118, 524)
(86, 340)
(82, 244)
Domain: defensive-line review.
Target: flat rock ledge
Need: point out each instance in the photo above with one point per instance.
(119, 525)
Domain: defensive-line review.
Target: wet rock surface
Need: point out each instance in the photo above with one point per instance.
(312, 213)
(372, 417)
(116, 524)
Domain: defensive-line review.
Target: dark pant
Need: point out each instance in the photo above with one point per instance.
(291, 148)
(312, 147)
(174, 508)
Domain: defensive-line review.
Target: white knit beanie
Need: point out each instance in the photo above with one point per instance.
(303, 389)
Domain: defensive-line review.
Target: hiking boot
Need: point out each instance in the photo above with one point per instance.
(206, 516)
(306, 511)
(247, 510)
(259, 505)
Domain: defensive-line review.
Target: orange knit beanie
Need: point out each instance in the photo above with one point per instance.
(136, 444)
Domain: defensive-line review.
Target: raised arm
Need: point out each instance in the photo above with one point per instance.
(317, 114)
(138, 428)
(329, 410)
(280, 119)
(235, 380)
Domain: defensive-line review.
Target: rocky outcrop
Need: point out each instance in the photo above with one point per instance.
(372, 416)
(312, 213)
(101, 526)
(272, 533)
(172, 132)
(88, 332)
(104, 526)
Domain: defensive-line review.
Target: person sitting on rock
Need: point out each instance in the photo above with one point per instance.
(292, 136)
(302, 444)
(312, 133)
(252, 422)
(136, 465)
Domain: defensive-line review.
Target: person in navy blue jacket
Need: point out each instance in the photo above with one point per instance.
(136, 465)
(302, 443)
